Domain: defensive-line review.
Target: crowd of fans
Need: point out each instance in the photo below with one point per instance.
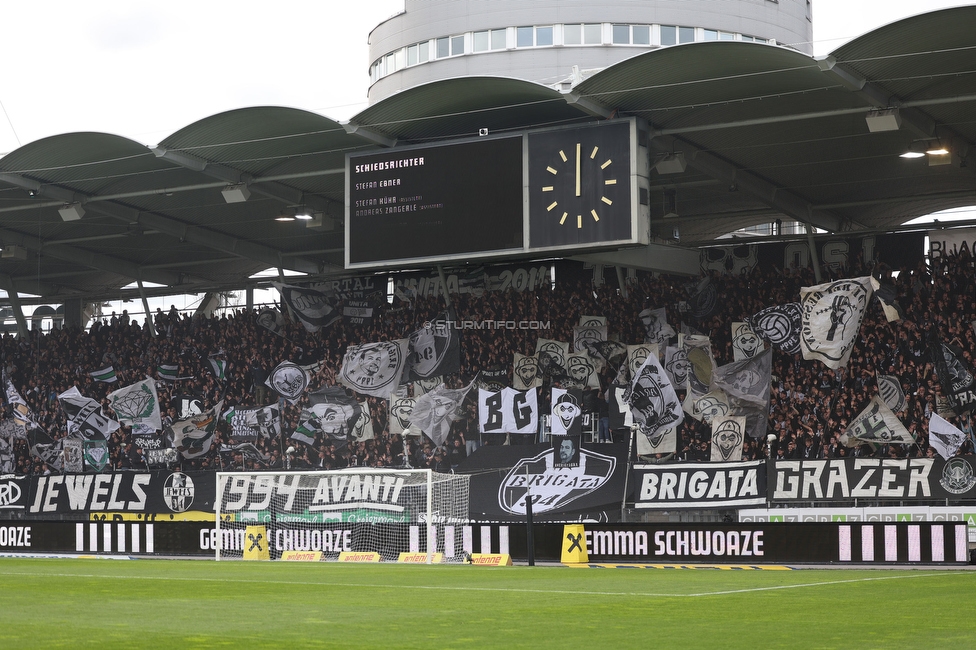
(810, 406)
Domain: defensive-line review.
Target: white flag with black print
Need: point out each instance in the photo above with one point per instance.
(638, 354)
(711, 405)
(653, 400)
(877, 425)
(747, 381)
(745, 342)
(887, 294)
(85, 416)
(73, 455)
(138, 406)
(271, 320)
(374, 368)
(728, 434)
(566, 412)
(251, 423)
(956, 374)
(424, 386)
(22, 414)
(677, 366)
(8, 459)
(780, 325)
(289, 380)
(581, 371)
(944, 438)
(508, 411)
(552, 358)
(401, 408)
(583, 334)
(363, 428)
(313, 309)
(656, 328)
(525, 372)
(665, 442)
(891, 392)
(832, 315)
(592, 321)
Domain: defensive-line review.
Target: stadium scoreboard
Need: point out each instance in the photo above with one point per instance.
(569, 189)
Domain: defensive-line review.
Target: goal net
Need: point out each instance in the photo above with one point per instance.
(361, 510)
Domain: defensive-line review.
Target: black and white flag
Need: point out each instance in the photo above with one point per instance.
(335, 418)
(566, 412)
(593, 321)
(11, 430)
(877, 425)
(374, 368)
(22, 412)
(289, 380)
(358, 312)
(434, 350)
(745, 342)
(508, 411)
(194, 437)
(891, 392)
(832, 315)
(552, 358)
(886, 295)
(424, 386)
(272, 320)
(656, 328)
(956, 375)
(493, 379)
(943, 437)
(313, 309)
(780, 325)
(747, 381)
(401, 408)
(435, 411)
(711, 405)
(584, 335)
(138, 406)
(677, 366)
(362, 429)
(44, 448)
(8, 458)
(251, 423)
(85, 416)
(653, 400)
(700, 360)
(73, 455)
(581, 371)
(525, 372)
(638, 354)
(664, 442)
(728, 434)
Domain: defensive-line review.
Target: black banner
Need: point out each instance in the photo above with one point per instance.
(699, 485)
(902, 479)
(898, 250)
(146, 492)
(14, 493)
(755, 544)
(502, 477)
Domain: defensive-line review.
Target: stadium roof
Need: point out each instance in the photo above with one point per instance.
(766, 132)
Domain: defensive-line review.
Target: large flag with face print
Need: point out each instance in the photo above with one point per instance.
(728, 434)
(566, 412)
(374, 368)
(832, 315)
(656, 327)
(435, 411)
(747, 381)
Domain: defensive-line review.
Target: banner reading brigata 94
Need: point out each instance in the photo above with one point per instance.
(503, 476)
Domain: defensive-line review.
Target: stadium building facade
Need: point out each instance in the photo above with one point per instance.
(559, 43)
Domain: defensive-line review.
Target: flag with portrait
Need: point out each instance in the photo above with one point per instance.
(401, 408)
(728, 436)
(566, 412)
(434, 412)
(956, 375)
(745, 342)
(653, 400)
(374, 369)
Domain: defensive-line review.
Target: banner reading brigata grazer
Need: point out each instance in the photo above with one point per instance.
(902, 479)
(503, 477)
(699, 485)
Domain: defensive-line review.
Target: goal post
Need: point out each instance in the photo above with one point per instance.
(360, 510)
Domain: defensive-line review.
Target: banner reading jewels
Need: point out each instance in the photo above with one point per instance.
(140, 492)
(504, 477)
(699, 485)
(846, 479)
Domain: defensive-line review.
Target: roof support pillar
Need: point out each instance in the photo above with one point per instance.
(145, 307)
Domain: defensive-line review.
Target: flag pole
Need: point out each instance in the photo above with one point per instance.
(529, 538)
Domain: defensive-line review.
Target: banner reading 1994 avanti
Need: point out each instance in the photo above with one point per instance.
(699, 485)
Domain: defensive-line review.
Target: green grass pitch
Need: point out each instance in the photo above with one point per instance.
(198, 604)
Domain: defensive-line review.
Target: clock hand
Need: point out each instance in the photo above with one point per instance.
(577, 169)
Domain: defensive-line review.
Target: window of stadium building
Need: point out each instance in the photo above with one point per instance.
(585, 34)
(528, 36)
(631, 34)
(489, 40)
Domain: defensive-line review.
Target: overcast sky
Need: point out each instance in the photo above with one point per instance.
(144, 69)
